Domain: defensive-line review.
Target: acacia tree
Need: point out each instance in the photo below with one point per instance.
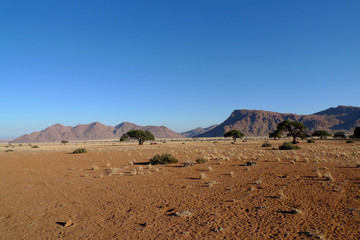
(124, 138)
(321, 134)
(339, 135)
(276, 134)
(293, 128)
(64, 142)
(234, 134)
(139, 135)
(357, 132)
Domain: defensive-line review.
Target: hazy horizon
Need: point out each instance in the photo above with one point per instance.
(181, 64)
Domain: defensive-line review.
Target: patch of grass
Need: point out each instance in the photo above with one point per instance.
(288, 146)
(80, 150)
(163, 159)
(266, 144)
(200, 160)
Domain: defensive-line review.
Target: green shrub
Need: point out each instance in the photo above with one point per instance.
(163, 159)
(250, 163)
(9, 150)
(200, 160)
(266, 144)
(80, 150)
(35, 146)
(288, 146)
(349, 141)
(310, 141)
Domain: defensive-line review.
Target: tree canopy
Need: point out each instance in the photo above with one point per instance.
(339, 135)
(321, 134)
(275, 134)
(234, 134)
(139, 135)
(293, 128)
(357, 132)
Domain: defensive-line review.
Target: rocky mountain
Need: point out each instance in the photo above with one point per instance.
(261, 123)
(198, 131)
(92, 131)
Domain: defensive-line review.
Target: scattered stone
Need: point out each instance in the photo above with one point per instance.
(68, 223)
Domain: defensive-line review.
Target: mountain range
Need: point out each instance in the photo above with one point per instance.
(261, 123)
(92, 131)
(250, 122)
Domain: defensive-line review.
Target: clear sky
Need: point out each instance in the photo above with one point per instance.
(178, 63)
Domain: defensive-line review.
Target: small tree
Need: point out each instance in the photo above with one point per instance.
(294, 128)
(357, 132)
(276, 134)
(339, 135)
(321, 134)
(304, 135)
(140, 135)
(124, 138)
(64, 142)
(234, 134)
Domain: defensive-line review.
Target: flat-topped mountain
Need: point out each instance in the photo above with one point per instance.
(92, 131)
(261, 123)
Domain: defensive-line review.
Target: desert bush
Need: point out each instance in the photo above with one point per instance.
(266, 144)
(35, 146)
(80, 150)
(9, 150)
(250, 163)
(163, 159)
(187, 164)
(288, 146)
(200, 160)
(349, 141)
(310, 141)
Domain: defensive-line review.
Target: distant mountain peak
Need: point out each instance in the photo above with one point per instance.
(92, 131)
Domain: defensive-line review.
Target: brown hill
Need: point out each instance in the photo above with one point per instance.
(198, 131)
(92, 131)
(261, 123)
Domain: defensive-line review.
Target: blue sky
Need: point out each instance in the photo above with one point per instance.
(182, 64)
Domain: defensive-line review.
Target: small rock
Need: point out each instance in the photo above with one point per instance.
(68, 223)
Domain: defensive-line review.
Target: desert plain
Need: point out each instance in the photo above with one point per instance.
(242, 191)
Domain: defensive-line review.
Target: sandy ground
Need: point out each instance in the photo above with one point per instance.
(110, 192)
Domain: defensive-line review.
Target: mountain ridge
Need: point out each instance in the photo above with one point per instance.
(91, 131)
(250, 122)
(261, 123)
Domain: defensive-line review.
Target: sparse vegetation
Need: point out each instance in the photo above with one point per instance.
(266, 144)
(295, 129)
(200, 160)
(357, 132)
(321, 134)
(339, 135)
(275, 135)
(163, 159)
(234, 134)
(79, 150)
(288, 146)
(139, 135)
(250, 163)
